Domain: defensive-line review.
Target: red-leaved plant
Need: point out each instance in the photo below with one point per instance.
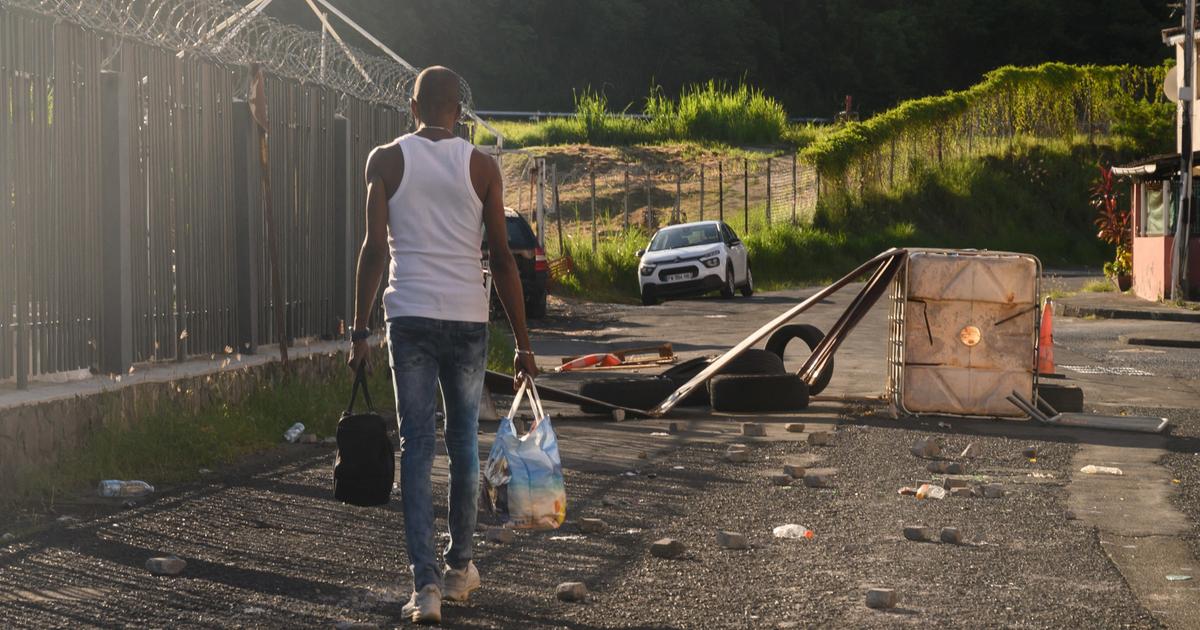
(1114, 223)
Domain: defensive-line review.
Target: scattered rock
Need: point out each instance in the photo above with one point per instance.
(794, 427)
(673, 428)
(794, 471)
(993, 490)
(732, 540)
(355, 625)
(737, 454)
(919, 533)
(1070, 515)
(971, 452)
(927, 448)
(951, 483)
(309, 438)
(330, 441)
(781, 480)
(618, 415)
(945, 468)
(593, 526)
(572, 592)
(7, 537)
(642, 455)
(66, 520)
(820, 438)
(753, 429)
(818, 480)
(951, 535)
(1030, 452)
(881, 598)
(169, 565)
(499, 535)
(962, 492)
(668, 548)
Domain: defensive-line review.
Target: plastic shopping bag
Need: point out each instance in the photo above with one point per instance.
(523, 477)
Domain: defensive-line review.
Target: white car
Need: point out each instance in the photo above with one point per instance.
(694, 258)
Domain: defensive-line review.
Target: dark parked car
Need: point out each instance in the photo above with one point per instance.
(531, 265)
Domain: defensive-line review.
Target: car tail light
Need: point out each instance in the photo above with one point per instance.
(539, 260)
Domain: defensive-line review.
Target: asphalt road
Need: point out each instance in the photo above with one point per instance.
(267, 547)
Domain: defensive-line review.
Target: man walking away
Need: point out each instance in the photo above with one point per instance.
(429, 196)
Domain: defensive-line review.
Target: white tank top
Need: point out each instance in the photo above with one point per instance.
(435, 232)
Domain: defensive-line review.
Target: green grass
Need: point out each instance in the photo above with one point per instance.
(714, 112)
(1099, 286)
(169, 445)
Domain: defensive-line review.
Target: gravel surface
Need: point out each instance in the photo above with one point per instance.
(266, 547)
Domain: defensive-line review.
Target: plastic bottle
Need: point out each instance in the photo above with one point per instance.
(792, 530)
(120, 488)
(294, 432)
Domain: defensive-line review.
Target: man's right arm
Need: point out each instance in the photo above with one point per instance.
(373, 256)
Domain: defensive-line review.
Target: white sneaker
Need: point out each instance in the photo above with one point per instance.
(460, 582)
(425, 606)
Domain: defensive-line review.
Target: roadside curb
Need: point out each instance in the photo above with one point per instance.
(1156, 314)
(1161, 342)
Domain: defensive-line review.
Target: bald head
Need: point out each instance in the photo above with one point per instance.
(436, 97)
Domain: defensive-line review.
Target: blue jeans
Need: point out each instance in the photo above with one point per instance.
(423, 352)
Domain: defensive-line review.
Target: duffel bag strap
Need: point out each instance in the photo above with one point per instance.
(360, 380)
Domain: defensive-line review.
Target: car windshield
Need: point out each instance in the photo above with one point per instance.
(685, 236)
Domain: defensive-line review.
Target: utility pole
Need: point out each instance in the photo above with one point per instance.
(1187, 99)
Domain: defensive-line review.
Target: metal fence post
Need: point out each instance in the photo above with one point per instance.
(343, 224)
(557, 209)
(649, 218)
(721, 190)
(627, 200)
(595, 236)
(768, 192)
(541, 203)
(116, 337)
(247, 227)
(21, 244)
(701, 191)
(746, 195)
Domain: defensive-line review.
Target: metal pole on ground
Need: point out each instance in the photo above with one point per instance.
(1187, 98)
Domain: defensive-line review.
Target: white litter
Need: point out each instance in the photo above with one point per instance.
(792, 530)
(1092, 469)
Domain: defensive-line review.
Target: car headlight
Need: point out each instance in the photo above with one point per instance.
(711, 262)
(647, 270)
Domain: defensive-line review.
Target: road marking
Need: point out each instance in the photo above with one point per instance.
(1104, 369)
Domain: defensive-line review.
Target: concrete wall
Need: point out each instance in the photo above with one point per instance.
(36, 434)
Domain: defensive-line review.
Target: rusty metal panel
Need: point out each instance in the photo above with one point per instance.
(964, 331)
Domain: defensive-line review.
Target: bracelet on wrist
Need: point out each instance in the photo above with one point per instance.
(520, 351)
(360, 334)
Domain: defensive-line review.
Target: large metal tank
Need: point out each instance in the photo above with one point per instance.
(964, 328)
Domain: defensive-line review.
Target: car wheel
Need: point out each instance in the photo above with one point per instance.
(748, 288)
(649, 298)
(535, 307)
(727, 290)
(758, 392)
(778, 343)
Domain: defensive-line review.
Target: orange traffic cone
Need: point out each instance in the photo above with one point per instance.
(1045, 357)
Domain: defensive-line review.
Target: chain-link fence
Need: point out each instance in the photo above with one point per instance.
(593, 201)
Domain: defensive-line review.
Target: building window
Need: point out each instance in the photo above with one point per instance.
(1160, 206)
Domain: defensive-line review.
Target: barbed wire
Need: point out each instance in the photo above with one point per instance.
(227, 33)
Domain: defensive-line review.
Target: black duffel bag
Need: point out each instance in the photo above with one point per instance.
(365, 466)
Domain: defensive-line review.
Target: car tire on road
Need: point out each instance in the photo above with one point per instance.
(649, 298)
(1064, 398)
(635, 393)
(751, 361)
(748, 288)
(535, 307)
(758, 392)
(778, 343)
(727, 290)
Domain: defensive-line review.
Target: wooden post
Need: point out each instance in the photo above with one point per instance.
(721, 190)
(649, 218)
(768, 192)
(595, 236)
(795, 192)
(702, 191)
(627, 200)
(678, 192)
(258, 109)
(557, 210)
(541, 202)
(745, 196)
